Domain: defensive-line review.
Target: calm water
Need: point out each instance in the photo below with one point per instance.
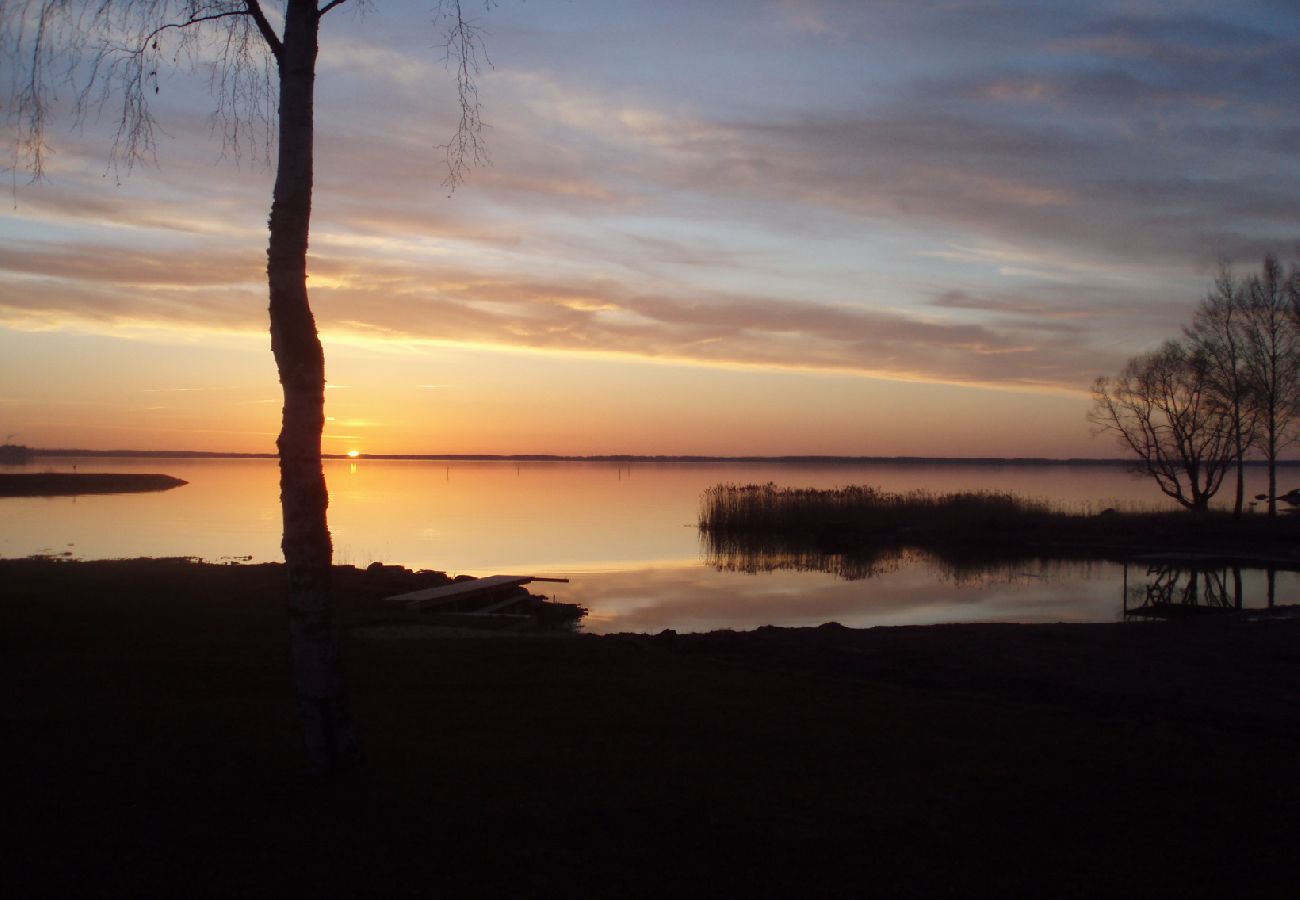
(624, 534)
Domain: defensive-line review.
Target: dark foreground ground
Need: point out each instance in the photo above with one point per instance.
(150, 749)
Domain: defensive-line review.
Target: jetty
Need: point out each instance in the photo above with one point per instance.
(492, 602)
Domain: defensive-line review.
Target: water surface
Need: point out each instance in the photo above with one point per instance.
(625, 534)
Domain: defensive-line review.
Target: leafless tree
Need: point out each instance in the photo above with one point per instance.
(1163, 409)
(1219, 333)
(1273, 362)
(263, 64)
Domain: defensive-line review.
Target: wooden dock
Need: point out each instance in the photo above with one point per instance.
(491, 602)
(464, 590)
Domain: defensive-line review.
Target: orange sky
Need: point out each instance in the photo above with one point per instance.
(161, 391)
(811, 228)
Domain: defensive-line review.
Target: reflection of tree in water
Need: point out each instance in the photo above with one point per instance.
(1173, 588)
(1171, 585)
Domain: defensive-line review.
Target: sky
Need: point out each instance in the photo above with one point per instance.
(886, 227)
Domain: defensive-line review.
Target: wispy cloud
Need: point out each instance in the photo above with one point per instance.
(1010, 193)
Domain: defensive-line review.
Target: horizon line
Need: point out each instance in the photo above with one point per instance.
(824, 458)
(795, 458)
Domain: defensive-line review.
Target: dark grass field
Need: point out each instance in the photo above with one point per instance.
(150, 749)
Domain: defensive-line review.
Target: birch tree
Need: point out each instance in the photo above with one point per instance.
(1219, 333)
(1273, 362)
(112, 55)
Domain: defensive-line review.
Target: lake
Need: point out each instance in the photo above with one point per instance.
(623, 533)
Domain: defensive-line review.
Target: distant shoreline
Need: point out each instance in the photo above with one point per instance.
(809, 459)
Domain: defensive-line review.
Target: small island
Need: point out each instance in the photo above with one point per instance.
(71, 484)
(14, 454)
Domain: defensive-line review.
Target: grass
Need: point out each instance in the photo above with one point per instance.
(152, 748)
(856, 530)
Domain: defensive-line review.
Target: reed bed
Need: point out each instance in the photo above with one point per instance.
(861, 526)
(768, 508)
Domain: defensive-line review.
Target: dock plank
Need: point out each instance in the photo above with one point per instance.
(463, 589)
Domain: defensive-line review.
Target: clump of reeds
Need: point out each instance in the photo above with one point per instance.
(759, 508)
(856, 531)
(858, 526)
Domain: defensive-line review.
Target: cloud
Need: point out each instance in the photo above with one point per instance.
(1002, 193)
(804, 17)
(1011, 304)
(1062, 145)
(746, 330)
(181, 271)
(1182, 41)
(394, 300)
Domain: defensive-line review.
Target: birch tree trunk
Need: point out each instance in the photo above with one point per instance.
(113, 49)
(331, 743)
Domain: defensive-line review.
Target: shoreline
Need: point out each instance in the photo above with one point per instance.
(155, 752)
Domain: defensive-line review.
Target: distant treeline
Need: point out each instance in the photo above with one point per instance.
(632, 458)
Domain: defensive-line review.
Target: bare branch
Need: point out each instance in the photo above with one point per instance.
(268, 33)
(30, 38)
(1163, 411)
(114, 52)
(1272, 362)
(463, 48)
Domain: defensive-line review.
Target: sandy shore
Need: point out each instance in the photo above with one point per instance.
(150, 750)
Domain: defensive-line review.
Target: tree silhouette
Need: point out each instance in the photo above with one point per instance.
(1273, 361)
(1164, 409)
(264, 85)
(1220, 333)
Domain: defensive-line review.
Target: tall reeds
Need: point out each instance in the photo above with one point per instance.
(860, 528)
(756, 508)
